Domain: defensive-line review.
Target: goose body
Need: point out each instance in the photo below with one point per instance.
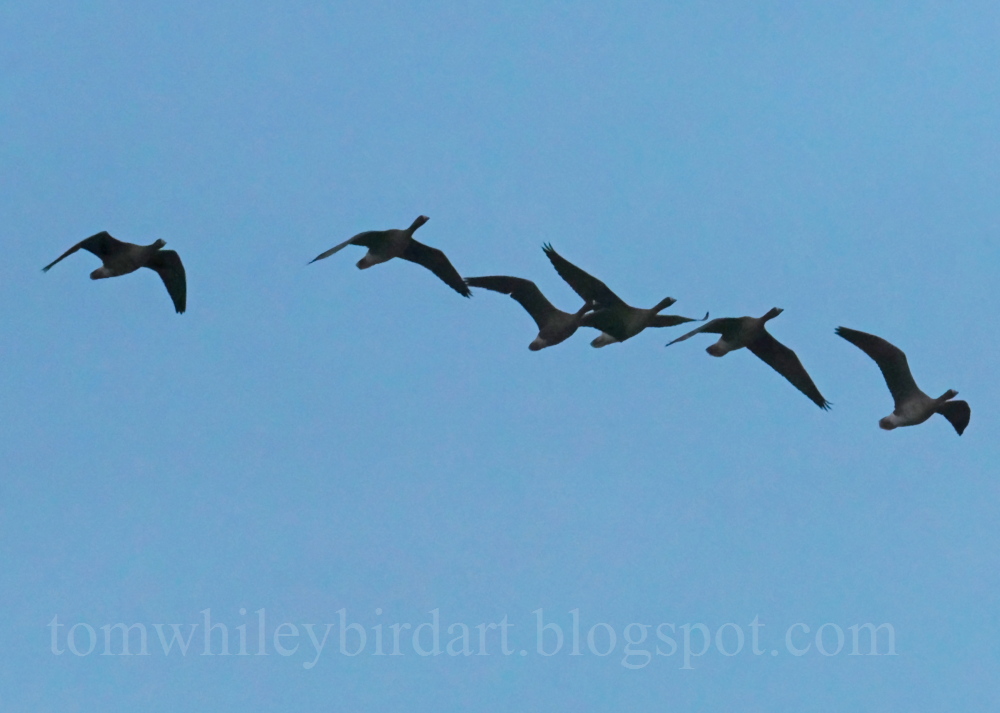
(911, 405)
(751, 333)
(384, 245)
(121, 258)
(617, 320)
(554, 325)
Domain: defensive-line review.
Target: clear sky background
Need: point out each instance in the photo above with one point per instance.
(307, 439)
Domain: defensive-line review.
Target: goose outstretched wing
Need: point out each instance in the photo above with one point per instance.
(890, 359)
(719, 325)
(168, 265)
(784, 361)
(438, 263)
(582, 282)
(524, 291)
(100, 244)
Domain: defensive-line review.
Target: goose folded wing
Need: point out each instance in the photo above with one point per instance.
(524, 291)
(784, 361)
(583, 283)
(890, 359)
(438, 263)
(168, 265)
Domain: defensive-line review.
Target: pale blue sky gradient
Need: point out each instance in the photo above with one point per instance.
(311, 438)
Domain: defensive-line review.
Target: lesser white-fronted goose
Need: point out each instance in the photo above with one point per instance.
(750, 332)
(617, 320)
(554, 325)
(911, 405)
(121, 258)
(384, 245)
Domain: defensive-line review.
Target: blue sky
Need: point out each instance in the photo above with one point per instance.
(310, 439)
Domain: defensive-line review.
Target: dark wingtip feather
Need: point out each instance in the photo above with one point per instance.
(463, 289)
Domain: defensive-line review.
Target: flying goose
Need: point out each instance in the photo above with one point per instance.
(384, 245)
(554, 325)
(617, 320)
(750, 332)
(911, 405)
(121, 258)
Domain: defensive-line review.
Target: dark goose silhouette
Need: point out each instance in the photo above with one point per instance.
(554, 325)
(384, 245)
(121, 258)
(911, 405)
(750, 332)
(617, 320)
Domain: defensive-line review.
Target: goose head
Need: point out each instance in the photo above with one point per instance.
(159, 243)
(421, 219)
(946, 396)
(663, 304)
(771, 314)
(538, 344)
(100, 273)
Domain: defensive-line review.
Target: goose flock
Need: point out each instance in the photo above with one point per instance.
(602, 309)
